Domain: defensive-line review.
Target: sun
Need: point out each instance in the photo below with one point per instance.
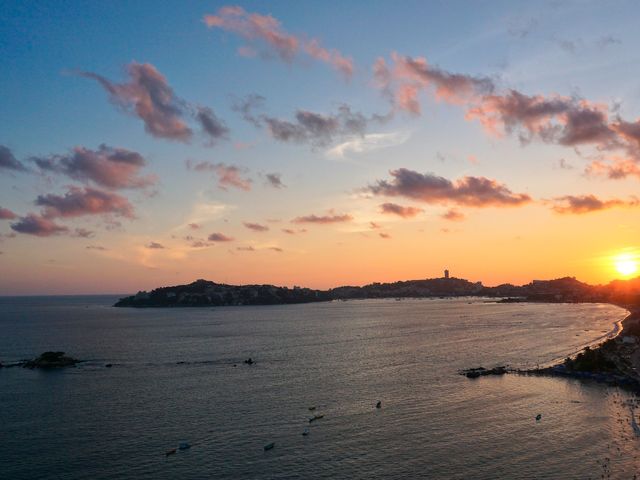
(625, 264)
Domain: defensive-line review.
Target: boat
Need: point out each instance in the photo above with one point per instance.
(305, 432)
(184, 445)
(538, 417)
(379, 404)
(311, 409)
(170, 452)
(315, 417)
(269, 446)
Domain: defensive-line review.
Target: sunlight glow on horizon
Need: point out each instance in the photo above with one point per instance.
(626, 264)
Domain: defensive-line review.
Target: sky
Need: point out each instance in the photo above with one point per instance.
(319, 144)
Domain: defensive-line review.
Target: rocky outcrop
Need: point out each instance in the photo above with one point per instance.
(51, 360)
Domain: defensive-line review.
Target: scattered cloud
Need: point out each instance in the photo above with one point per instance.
(108, 167)
(219, 237)
(228, 175)
(564, 165)
(155, 246)
(8, 161)
(6, 214)
(212, 126)
(384, 235)
(37, 225)
(84, 201)
(616, 168)
(368, 143)
(399, 210)
(148, 96)
(256, 227)
(276, 249)
(429, 188)
(316, 129)
(246, 249)
(453, 215)
(195, 226)
(274, 180)
(323, 219)
(571, 204)
(96, 247)
(82, 233)
(568, 121)
(264, 32)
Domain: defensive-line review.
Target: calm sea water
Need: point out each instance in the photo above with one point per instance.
(178, 375)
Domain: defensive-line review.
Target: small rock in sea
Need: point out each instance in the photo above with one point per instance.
(311, 409)
(184, 445)
(249, 361)
(108, 365)
(538, 417)
(269, 446)
(379, 404)
(51, 360)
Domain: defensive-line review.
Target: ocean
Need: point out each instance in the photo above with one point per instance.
(178, 375)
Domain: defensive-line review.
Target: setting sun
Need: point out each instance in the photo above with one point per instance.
(626, 264)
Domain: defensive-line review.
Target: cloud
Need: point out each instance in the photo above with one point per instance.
(246, 249)
(148, 96)
(256, 227)
(616, 168)
(96, 247)
(219, 237)
(6, 214)
(83, 233)
(84, 201)
(374, 225)
(274, 180)
(564, 165)
(403, 81)
(9, 162)
(316, 129)
(290, 231)
(323, 219)
(276, 249)
(37, 225)
(453, 215)
(266, 32)
(395, 209)
(155, 246)
(571, 204)
(384, 235)
(554, 119)
(368, 143)
(107, 166)
(212, 126)
(429, 188)
(228, 175)
(194, 226)
(246, 107)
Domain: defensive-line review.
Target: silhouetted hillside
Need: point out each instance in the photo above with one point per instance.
(206, 293)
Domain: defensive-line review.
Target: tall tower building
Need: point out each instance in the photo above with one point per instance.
(446, 274)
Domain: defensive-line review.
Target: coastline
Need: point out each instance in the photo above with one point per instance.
(618, 354)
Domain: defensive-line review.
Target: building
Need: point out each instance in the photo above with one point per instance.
(446, 274)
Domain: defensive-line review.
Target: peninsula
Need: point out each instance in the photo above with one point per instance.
(207, 293)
